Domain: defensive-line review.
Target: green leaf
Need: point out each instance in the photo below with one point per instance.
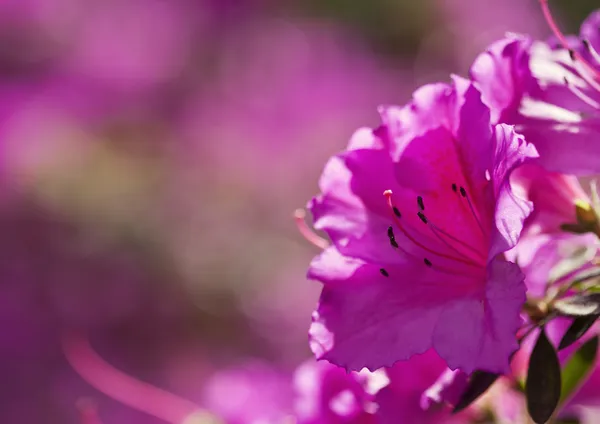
(578, 368)
(543, 384)
(479, 382)
(577, 329)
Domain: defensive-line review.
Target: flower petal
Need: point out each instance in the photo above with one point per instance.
(511, 210)
(367, 320)
(501, 74)
(480, 333)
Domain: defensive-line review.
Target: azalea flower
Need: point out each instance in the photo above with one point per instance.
(326, 394)
(558, 243)
(560, 236)
(253, 392)
(419, 213)
(421, 390)
(550, 91)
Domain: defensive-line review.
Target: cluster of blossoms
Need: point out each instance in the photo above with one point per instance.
(463, 252)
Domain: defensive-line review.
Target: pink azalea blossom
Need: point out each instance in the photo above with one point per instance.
(420, 391)
(250, 393)
(327, 394)
(550, 91)
(549, 255)
(422, 266)
(545, 252)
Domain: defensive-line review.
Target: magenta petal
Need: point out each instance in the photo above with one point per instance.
(366, 320)
(348, 184)
(553, 196)
(447, 389)
(568, 148)
(473, 130)
(484, 329)
(547, 257)
(511, 210)
(327, 394)
(501, 74)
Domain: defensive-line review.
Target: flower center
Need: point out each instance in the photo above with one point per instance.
(436, 247)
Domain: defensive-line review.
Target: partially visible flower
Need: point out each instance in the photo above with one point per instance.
(251, 393)
(327, 394)
(447, 389)
(422, 267)
(560, 240)
(561, 235)
(410, 396)
(550, 91)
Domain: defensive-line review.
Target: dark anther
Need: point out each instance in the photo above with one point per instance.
(565, 80)
(454, 188)
(397, 212)
(572, 54)
(390, 232)
(586, 44)
(463, 192)
(427, 262)
(422, 217)
(384, 272)
(420, 203)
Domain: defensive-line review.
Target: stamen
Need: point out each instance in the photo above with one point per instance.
(306, 232)
(583, 73)
(591, 50)
(442, 269)
(420, 203)
(397, 212)
(463, 193)
(581, 95)
(562, 39)
(390, 234)
(437, 229)
(454, 187)
(384, 272)
(388, 195)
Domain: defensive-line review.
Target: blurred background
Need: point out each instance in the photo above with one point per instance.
(152, 153)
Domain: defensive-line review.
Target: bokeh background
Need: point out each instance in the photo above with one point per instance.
(152, 153)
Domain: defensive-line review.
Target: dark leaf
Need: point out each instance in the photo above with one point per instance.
(578, 368)
(543, 384)
(479, 382)
(577, 329)
(579, 305)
